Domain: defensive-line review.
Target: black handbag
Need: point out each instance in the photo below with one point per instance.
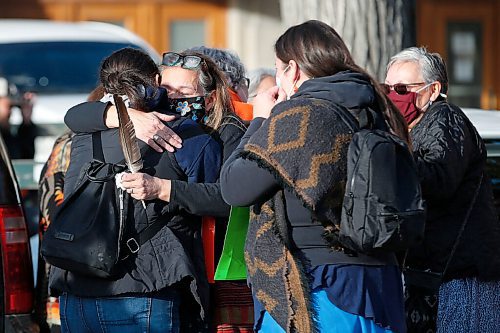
(427, 280)
(87, 233)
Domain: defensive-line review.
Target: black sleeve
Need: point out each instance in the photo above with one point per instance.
(199, 198)
(205, 198)
(26, 134)
(443, 157)
(87, 117)
(243, 182)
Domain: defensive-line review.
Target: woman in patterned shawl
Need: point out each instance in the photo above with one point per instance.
(291, 167)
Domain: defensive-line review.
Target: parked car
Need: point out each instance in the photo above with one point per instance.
(16, 273)
(60, 62)
(487, 124)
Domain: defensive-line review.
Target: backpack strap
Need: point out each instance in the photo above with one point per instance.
(97, 153)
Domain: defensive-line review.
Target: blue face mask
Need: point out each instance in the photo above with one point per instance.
(193, 107)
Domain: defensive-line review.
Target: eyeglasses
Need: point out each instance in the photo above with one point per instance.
(184, 61)
(400, 88)
(244, 82)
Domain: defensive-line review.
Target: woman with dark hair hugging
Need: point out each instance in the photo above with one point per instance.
(145, 296)
(196, 89)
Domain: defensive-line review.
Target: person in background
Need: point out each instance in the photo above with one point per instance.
(302, 278)
(234, 70)
(232, 300)
(261, 79)
(50, 198)
(451, 161)
(147, 295)
(188, 77)
(21, 142)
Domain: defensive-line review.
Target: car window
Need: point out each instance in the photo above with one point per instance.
(8, 187)
(55, 67)
(493, 169)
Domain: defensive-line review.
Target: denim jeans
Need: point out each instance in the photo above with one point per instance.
(120, 314)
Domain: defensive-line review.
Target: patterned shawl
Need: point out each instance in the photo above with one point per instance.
(304, 144)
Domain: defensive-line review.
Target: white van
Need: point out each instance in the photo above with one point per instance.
(60, 62)
(487, 123)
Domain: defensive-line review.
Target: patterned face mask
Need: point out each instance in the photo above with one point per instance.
(193, 107)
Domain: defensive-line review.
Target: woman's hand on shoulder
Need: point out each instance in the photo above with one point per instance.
(149, 127)
(142, 186)
(265, 101)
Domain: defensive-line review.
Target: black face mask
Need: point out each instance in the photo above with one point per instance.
(156, 98)
(193, 107)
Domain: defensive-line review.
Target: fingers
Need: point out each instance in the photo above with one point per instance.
(273, 91)
(152, 143)
(264, 102)
(168, 139)
(167, 136)
(281, 95)
(164, 117)
(141, 186)
(150, 129)
(135, 184)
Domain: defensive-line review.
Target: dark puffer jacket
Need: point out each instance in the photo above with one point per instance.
(451, 157)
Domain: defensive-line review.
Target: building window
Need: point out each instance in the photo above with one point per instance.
(464, 63)
(186, 33)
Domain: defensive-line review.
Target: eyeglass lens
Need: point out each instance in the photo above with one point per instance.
(245, 82)
(175, 59)
(400, 88)
(191, 62)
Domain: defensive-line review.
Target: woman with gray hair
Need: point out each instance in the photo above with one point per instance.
(261, 79)
(230, 64)
(462, 234)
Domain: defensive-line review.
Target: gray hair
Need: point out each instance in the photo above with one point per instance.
(431, 65)
(256, 76)
(227, 61)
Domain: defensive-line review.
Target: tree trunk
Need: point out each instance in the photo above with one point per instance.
(373, 30)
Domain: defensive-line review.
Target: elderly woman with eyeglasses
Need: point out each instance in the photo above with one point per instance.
(234, 70)
(462, 234)
(196, 88)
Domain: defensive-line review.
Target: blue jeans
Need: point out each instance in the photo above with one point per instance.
(120, 314)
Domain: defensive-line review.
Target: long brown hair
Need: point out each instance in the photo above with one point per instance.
(319, 51)
(211, 78)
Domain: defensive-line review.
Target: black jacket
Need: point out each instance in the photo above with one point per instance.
(349, 89)
(196, 198)
(451, 157)
(175, 253)
(201, 199)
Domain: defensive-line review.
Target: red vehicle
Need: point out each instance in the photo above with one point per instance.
(16, 278)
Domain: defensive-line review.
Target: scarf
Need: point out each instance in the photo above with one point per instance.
(304, 145)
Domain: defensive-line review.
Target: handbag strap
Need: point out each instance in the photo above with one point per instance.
(135, 243)
(462, 227)
(97, 153)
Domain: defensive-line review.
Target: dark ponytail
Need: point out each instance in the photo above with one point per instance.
(127, 69)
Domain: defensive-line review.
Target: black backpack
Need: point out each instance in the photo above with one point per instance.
(88, 234)
(382, 207)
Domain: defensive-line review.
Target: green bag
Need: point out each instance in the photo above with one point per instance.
(232, 261)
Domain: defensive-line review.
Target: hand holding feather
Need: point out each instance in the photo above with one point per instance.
(128, 141)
